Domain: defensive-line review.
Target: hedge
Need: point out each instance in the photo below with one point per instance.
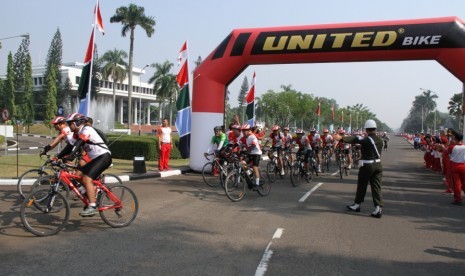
(127, 147)
(2, 140)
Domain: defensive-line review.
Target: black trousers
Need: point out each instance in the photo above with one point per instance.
(370, 173)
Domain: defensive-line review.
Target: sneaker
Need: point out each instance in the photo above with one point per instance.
(282, 172)
(349, 167)
(256, 187)
(378, 212)
(354, 207)
(89, 211)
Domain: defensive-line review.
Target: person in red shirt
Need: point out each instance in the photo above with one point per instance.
(457, 163)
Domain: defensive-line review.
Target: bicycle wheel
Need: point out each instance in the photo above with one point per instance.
(209, 176)
(265, 184)
(235, 186)
(109, 178)
(46, 181)
(272, 170)
(341, 168)
(119, 208)
(26, 180)
(44, 213)
(296, 175)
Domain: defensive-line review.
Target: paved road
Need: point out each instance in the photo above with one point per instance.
(187, 228)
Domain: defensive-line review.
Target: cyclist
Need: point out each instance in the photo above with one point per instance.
(344, 148)
(255, 153)
(288, 141)
(218, 143)
(97, 151)
(328, 141)
(64, 134)
(304, 147)
(315, 141)
(276, 138)
(235, 135)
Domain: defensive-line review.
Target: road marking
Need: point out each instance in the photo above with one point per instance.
(263, 265)
(333, 174)
(302, 199)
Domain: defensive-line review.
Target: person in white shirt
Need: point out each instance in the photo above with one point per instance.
(255, 153)
(165, 145)
(97, 151)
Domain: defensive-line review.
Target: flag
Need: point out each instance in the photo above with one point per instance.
(98, 19)
(342, 117)
(84, 82)
(332, 112)
(318, 109)
(182, 53)
(249, 99)
(183, 118)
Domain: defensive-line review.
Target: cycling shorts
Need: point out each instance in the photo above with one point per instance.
(254, 159)
(95, 167)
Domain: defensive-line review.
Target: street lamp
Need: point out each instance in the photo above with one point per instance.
(140, 95)
(5, 38)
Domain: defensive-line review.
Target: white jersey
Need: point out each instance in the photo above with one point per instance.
(89, 134)
(69, 135)
(253, 146)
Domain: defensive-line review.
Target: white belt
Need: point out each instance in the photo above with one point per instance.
(371, 161)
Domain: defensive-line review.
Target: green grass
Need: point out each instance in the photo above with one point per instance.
(10, 167)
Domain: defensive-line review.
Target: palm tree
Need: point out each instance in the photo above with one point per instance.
(164, 84)
(115, 67)
(131, 17)
(455, 109)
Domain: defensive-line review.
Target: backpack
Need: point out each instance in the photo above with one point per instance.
(102, 135)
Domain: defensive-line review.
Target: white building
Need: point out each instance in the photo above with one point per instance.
(142, 93)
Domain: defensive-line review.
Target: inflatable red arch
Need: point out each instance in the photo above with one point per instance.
(440, 39)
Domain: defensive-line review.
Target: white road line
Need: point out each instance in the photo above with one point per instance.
(263, 266)
(333, 174)
(302, 199)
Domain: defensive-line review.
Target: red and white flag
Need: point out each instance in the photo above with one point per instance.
(98, 19)
(182, 53)
(318, 109)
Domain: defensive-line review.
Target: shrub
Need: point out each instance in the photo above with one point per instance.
(126, 147)
(2, 140)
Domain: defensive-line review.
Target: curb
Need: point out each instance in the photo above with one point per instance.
(124, 178)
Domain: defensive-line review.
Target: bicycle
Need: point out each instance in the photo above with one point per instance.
(355, 156)
(272, 167)
(326, 159)
(213, 172)
(29, 177)
(299, 172)
(238, 178)
(46, 212)
(342, 163)
(313, 163)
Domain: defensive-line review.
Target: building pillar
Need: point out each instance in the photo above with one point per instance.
(135, 103)
(121, 110)
(148, 113)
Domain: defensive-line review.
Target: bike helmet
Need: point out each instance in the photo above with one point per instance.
(299, 131)
(312, 130)
(216, 128)
(77, 118)
(325, 130)
(275, 127)
(342, 132)
(245, 127)
(286, 128)
(236, 127)
(57, 120)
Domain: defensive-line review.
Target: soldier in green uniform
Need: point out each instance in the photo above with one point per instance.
(371, 169)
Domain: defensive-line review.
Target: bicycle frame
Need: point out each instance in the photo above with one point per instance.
(67, 177)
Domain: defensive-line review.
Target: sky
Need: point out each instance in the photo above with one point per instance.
(386, 88)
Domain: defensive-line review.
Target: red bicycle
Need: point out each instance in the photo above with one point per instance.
(46, 212)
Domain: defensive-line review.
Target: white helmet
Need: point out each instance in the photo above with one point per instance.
(370, 124)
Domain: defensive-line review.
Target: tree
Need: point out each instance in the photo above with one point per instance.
(67, 96)
(164, 83)
(114, 68)
(455, 109)
(197, 62)
(54, 60)
(19, 71)
(27, 105)
(131, 17)
(51, 96)
(9, 88)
